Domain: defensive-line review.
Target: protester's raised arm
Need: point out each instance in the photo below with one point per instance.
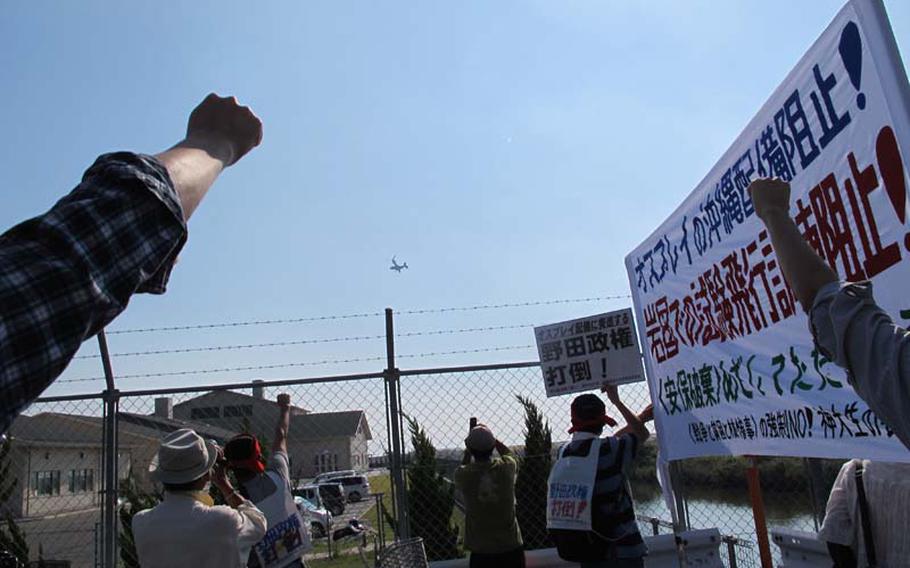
(219, 133)
(284, 423)
(645, 416)
(634, 425)
(805, 271)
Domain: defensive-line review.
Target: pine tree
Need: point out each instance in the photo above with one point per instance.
(12, 539)
(431, 499)
(531, 484)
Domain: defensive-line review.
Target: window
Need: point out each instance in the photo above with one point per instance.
(205, 412)
(242, 410)
(82, 480)
(46, 483)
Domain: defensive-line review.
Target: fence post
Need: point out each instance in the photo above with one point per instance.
(110, 461)
(392, 378)
(814, 475)
(677, 486)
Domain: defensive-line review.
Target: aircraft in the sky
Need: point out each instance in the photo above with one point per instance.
(398, 267)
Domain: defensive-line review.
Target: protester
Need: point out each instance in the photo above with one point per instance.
(848, 326)
(885, 487)
(487, 485)
(186, 529)
(66, 274)
(590, 513)
(270, 489)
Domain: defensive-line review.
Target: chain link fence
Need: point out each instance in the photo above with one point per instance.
(54, 462)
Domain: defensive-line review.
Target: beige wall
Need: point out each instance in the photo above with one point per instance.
(302, 455)
(63, 460)
(359, 449)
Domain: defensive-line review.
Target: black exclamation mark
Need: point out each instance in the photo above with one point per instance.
(603, 367)
(851, 51)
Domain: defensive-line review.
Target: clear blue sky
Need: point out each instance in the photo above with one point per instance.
(508, 151)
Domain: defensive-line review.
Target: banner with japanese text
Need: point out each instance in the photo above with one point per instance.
(731, 364)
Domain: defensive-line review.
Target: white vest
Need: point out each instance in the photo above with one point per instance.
(571, 489)
(288, 536)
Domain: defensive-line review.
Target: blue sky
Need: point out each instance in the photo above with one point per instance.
(508, 151)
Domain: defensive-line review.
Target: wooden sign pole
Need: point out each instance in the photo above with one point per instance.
(758, 512)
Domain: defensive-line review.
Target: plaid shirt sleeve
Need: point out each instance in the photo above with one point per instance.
(66, 274)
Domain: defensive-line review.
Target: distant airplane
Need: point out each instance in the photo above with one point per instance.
(398, 267)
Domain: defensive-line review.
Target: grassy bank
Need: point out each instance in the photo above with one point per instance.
(728, 473)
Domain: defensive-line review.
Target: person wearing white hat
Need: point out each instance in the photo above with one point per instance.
(187, 529)
(488, 487)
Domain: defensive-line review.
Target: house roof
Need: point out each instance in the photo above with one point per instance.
(239, 397)
(328, 425)
(157, 426)
(72, 430)
(55, 429)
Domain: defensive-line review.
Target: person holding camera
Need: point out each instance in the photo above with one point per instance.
(269, 486)
(187, 529)
(487, 485)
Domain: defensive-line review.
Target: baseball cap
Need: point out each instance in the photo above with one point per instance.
(588, 411)
(243, 452)
(480, 439)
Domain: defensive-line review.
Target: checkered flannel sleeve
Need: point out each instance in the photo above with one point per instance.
(66, 274)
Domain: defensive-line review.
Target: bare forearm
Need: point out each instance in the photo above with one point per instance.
(281, 430)
(805, 271)
(633, 422)
(194, 165)
(645, 416)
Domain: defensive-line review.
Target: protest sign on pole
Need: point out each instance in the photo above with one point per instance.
(732, 368)
(585, 353)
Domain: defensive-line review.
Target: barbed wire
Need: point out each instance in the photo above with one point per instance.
(365, 315)
(237, 347)
(243, 323)
(296, 364)
(513, 305)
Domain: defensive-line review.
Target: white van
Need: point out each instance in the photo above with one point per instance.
(333, 475)
(356, 487)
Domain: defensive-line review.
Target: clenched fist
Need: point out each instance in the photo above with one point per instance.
(233, 129)
(770, 196)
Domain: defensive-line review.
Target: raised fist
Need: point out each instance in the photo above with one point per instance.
(770, 196)
(233, 129)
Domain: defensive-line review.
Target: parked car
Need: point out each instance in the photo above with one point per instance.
(356, 487)
(320, 520)
(311, 493)
(333, 475)
(333, 497)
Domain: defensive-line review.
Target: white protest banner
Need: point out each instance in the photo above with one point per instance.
(585, 353)
(731, 364)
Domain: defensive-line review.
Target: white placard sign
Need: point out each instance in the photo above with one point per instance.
(583, 354)
(732, 368)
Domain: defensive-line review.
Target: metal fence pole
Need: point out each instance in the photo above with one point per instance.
(814, 475)
(110, 461)
(392, 377)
